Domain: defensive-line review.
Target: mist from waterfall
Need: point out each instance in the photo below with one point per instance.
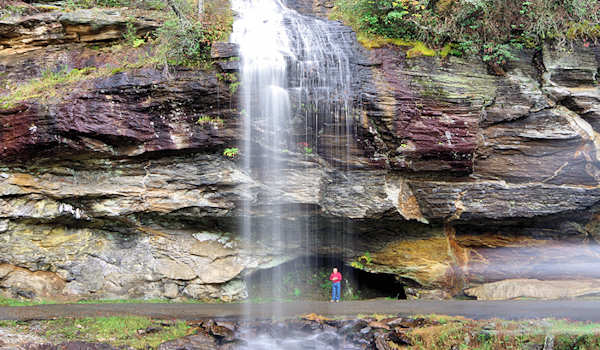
(295, 103)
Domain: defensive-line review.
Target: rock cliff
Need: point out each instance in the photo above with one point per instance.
(456, 177)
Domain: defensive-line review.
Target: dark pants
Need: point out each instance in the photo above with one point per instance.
(335, 290)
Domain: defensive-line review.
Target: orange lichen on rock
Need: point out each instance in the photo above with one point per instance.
(425, 261)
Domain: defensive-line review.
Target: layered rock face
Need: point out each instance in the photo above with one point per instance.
(455, 178)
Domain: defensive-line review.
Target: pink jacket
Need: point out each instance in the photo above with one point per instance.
(335, 277)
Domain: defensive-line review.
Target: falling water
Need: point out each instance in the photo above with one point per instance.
(296, 102)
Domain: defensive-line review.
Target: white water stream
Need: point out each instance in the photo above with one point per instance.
(295, 102)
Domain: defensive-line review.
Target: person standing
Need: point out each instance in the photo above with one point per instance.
(336, 283)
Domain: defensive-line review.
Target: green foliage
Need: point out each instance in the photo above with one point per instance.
(498, 54)
(131, 36)
(187, 40)
(233, 87)
(208, 120)
(183, 43)
(138, 42)
(231, 79)
(463, 48)
(362, 261)
(388, 18)
(465, 27)
(231, 152)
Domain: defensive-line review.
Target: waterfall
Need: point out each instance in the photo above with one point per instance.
(295, 102)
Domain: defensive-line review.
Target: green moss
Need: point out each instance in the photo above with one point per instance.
(419, 49)
(445, 51)
(376, 41)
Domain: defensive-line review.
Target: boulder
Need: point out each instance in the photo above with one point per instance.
(174, 270)
(191, 342)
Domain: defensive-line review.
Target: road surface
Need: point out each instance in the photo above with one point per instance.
(569, 309)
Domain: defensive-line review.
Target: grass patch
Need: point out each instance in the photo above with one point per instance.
(45, 86)
(117, 331)
(461, 333)
(577, 328)
(4, 301)
(8, 324)
(55, 84)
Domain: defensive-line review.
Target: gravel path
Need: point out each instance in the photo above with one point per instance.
(570, 309)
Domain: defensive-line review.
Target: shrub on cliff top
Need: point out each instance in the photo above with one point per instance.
(466, 25)
(187, 36)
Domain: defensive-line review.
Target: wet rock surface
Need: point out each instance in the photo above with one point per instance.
(322, 333)
(309, 332)
(115, 190)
